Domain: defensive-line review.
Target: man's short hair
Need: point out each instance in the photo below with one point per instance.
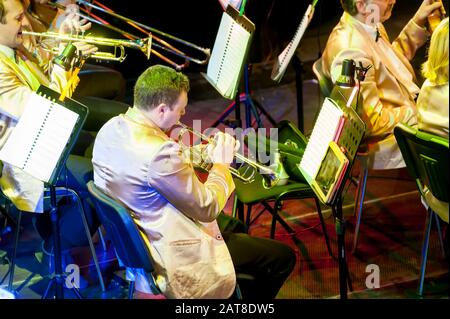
(349, 6)
(159, 84)
(2, 12)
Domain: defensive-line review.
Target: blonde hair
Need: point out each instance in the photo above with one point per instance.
(435, 69)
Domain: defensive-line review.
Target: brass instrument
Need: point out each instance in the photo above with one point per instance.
(148, 31)
(269, 176)
(118, 45)
(436, 17)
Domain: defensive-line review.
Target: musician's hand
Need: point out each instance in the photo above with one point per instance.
(426, 8)
(64, 2)
(224, 149)
(69, 22)
(85, 48)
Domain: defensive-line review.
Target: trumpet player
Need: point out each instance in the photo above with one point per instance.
(22, 71)
(196, 249)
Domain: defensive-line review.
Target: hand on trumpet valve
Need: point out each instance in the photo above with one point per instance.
(85, 49)
(223, 149)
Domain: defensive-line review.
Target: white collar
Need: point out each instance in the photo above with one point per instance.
(370, 29)
(7, 51)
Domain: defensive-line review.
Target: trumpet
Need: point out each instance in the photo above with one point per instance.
(270, 177)
(147, 30)
(119, 45)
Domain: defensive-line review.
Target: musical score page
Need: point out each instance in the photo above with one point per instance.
(323, 133)
(228, 55)
(38, 140)
(285, 57)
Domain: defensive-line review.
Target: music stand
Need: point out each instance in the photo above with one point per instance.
(82, 111)
(40, 145)
(288, 54)
(227, 63)
(251, 107)
(341, 126)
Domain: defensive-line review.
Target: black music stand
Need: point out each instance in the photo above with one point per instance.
(251, 107)
(344, 277)
(298, 67)
(57, 279)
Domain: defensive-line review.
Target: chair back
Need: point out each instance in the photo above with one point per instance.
(122, 230)
(325, 84)
(426, 158)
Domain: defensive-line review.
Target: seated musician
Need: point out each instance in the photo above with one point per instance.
(95, 79)
(21, 73)
(433, 104)
(389, 90)
(196, 249)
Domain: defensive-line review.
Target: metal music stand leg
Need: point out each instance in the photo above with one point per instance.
(57, 279)
(252, 107)
(344, 278)
(298, 66)
(12, 265)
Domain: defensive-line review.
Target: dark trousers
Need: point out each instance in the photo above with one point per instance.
(269, 261)
(72, 232)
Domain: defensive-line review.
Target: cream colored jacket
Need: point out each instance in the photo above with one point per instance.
(18, 80)
(139, 165)
(388, 92)
(432, 105)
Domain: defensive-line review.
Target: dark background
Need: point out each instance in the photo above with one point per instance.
(198, 22)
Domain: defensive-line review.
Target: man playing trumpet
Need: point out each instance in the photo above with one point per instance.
(22, 71)
(138, 164)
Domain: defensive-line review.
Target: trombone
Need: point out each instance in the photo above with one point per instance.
(119, 45)
(269, 176)
(148, 31)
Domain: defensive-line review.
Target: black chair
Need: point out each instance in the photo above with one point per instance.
(124, 234)
(426, 158)
(61, 192)
(127, 239)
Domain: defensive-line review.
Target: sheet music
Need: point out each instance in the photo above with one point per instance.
(40, 137)
(285, 57)
(227, 57)
(323, 133)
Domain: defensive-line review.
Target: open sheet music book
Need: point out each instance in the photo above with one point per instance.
(285, 57)
(337, 126)
(44, 131)
(229, 52)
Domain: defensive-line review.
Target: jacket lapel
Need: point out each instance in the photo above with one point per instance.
(382, 55)
(16, 69)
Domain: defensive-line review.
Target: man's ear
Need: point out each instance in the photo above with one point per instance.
(162, 109)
